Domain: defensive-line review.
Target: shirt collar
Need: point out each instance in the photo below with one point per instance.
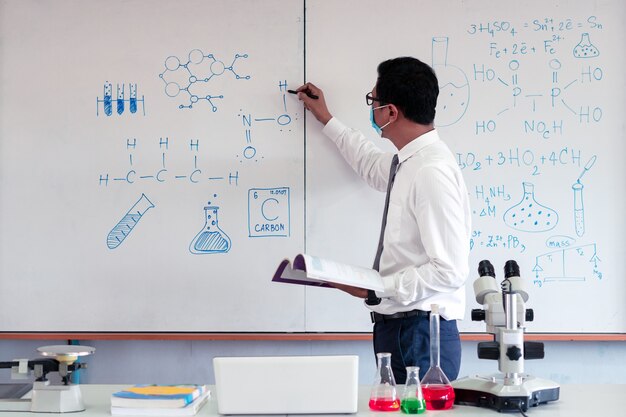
(417, 145)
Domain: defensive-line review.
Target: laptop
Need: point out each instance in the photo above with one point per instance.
(286, 384)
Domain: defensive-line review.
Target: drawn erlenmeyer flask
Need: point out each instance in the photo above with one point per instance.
(530, 216)
(211, 239)
(454, 91)
(585, 49)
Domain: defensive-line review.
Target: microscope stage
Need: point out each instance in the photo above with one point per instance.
(490, 392)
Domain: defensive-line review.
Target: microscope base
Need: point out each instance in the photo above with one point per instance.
(490, 392)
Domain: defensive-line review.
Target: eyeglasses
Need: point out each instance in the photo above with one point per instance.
(370, 99)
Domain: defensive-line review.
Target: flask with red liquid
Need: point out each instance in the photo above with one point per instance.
(438, 391)
(384, 396)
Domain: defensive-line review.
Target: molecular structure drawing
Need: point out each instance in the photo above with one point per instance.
(192, 76)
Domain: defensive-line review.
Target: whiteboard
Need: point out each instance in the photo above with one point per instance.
(530, 93)
(125, 125)
(121, 122)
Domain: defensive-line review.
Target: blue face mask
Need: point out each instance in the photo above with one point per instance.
(378, 129)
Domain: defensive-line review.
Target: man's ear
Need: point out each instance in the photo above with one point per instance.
(394, 113)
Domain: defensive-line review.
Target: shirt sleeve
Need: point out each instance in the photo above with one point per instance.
(437, 205)
(367, 160)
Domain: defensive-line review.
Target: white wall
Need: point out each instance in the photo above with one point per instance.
(129, 362)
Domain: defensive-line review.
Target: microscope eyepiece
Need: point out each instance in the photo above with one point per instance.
(511, 269)
(486, 269)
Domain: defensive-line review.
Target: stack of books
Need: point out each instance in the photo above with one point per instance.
(159, 400)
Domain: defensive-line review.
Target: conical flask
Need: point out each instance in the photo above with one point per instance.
(384, 396)
(438, 391)
(413, 398)
(211, 239)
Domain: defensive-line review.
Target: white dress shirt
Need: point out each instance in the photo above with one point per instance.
(426, 242)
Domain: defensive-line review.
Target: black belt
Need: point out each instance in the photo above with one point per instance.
(377, 317)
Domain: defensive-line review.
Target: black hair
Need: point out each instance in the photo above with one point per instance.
(410, 85)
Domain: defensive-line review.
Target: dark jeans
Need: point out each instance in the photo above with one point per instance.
(408, 341)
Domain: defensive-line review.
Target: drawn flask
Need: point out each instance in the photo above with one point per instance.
(438, 391)
(211, 239)
(529, 215)
(454, 91)
(384, 396)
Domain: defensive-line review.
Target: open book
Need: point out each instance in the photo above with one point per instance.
(311, 270)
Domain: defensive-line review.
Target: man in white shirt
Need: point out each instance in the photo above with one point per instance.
(424, 247)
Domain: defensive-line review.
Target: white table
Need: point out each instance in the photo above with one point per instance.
(575, 401)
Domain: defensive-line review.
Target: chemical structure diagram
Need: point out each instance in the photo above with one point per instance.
(193, 75)
(249, 151)
(166, 174)
(120, 102)
(519, 53)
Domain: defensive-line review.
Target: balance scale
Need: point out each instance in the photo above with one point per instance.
(47, 397)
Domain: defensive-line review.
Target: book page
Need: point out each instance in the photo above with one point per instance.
(332, 271)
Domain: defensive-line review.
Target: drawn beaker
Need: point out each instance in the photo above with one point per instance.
(454, 91)
(530, 216)
(123, 228)
(579, 209)
(211, 239)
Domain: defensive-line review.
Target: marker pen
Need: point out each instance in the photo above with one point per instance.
(308, 93)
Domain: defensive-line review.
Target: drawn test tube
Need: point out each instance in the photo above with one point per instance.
(120, 99)
(132, 106)
(108, 99)
(579, 210)
(123, 228)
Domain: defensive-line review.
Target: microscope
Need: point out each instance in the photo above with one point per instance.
(43, 396)
(505, 315)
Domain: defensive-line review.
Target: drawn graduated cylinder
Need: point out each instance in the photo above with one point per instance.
(125, 226)
(211, 239)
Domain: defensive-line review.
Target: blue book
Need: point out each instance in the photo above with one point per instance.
(157, 396)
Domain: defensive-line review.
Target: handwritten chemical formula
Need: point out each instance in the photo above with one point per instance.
(541, 67)
(535, 100)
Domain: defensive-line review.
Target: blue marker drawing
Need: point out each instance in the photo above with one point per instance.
(585, 49)
(211, 239)
(133, 98)
(192, 75)
(579, 207)
(530, 216)
(454, 91)
(120, 100)
(269, 212)
(108, 97)
(571, 264)
(125, 226)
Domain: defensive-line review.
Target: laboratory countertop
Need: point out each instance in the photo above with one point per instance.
(575, 401)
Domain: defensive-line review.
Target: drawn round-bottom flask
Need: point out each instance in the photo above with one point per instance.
(530, 216)
(211, 239)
